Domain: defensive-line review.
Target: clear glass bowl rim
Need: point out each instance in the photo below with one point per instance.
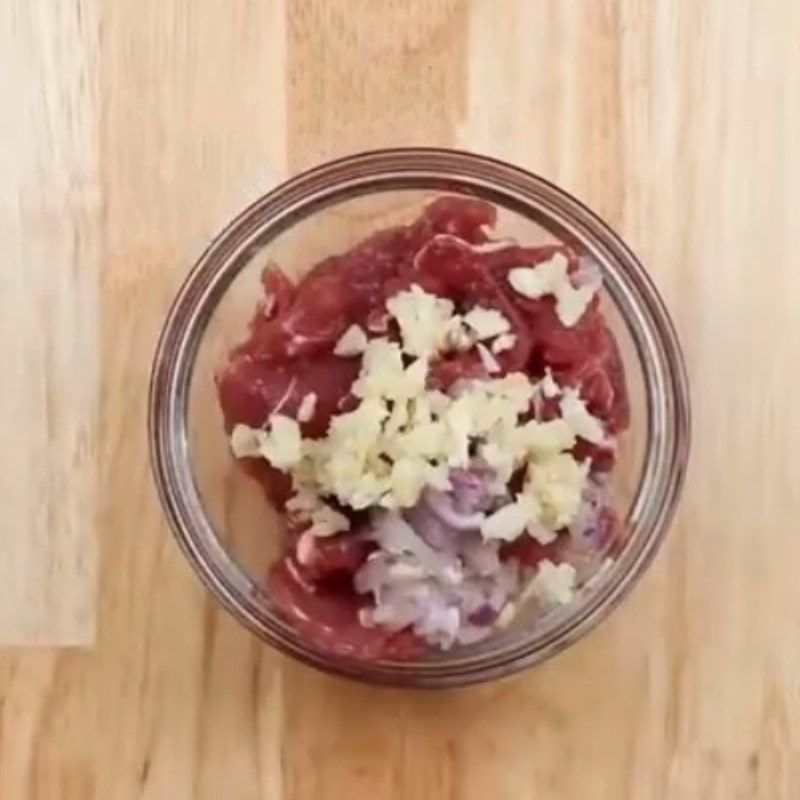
(661, 359)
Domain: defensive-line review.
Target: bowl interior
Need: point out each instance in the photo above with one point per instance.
(244, 523)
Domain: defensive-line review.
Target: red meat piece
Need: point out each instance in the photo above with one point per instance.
(465, 217)
(461, 274)
(251, 390)
(328, 618)
(279, 288)
(322, 557)
(311, 325)
(529, 552)
(444, 372)
(584, 356)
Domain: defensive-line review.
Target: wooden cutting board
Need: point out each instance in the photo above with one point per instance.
(131, 130)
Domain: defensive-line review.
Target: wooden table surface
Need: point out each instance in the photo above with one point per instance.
(131, 130)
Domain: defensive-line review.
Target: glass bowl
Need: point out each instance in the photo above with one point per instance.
(219, 515)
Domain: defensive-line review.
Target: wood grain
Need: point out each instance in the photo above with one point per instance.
(49, 238)
(363, 75)
(145, 125)
(194, 98)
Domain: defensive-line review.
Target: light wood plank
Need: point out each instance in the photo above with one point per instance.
(48, 726)
(49, 240)
(713, 210)
(364, 74)
(193, 131)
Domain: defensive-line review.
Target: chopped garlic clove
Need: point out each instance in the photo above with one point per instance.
(327, 521)
(542, 535)
(546, 438)
(507, 523)
(555, 583)
(488, 360)
(425, 321)
(552, 277)
(246, 441)
(486, 322)
(544, 278)
(353, 342)
(577, 416)
(571, 303)
(503, 342)
(550, 388)
(307, 407)
(282, 444)
(556, 483)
